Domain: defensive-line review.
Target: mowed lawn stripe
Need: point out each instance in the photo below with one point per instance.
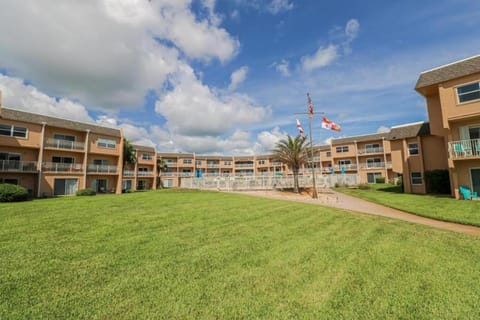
(170, 254)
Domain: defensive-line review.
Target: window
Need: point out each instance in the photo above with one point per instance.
(142, 169)
(198, 162)
(187, 161)
(64, 137)
(13, 131)
(63, 160)
(416, 178)
(344, 162)
(147, 156)
(342, 149)
(227, 163)
(106, 143)
(62, 187)
(373, 147)
(413, 148)
(261, 161)
(372, 177)
(468, 92)
(329, 153)
(100, 162)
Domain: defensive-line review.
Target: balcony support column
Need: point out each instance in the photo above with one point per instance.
(40, 161)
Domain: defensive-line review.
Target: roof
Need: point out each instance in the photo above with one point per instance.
(143, 148)
(361, 138)
(18, 115)
(449, 71)
(409, 131)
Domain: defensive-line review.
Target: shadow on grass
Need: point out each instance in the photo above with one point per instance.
(392, 189)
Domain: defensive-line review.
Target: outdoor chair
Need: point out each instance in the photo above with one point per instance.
(458, 149)
(467, 194)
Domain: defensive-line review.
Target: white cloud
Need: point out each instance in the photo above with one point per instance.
(237, 77)
(323, 57)
(105, 53)
(18, 95)
(383, 129)
(192, 108)
(266, 140)
(277, 6)
(283, 67)
(351, 29)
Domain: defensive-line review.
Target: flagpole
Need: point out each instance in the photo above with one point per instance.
(314, 191)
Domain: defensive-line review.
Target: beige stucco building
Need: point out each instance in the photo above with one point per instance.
(452, 93)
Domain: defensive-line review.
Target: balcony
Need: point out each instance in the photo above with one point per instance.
(168, 174)
(276, 163)
(96, 168)
(62, 167)
(376, 165)
(464, 149)
(128, 173)
(213, 165)
(145, 173)
(352, 166)
(64, 144)
(171, 164)
(243, 165)
(370, 150)
(18, 166)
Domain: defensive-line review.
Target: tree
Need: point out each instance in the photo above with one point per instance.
(161, 167)
(129, 154)
(293, 152)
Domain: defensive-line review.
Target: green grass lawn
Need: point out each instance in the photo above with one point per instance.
(207, 255)
(436, 207)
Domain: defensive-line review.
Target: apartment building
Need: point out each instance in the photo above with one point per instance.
(142, 175)
(52, 156)
(414, 151)
(452, 93)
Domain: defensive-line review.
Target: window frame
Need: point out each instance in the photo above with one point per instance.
(417, 148)
(412, 178)
(13, 129)
(147, 156)
(468, 92)
(107, 143)
(342, 149)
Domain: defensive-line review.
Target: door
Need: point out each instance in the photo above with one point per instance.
(475, 174)
(63, 187)
(99, 185)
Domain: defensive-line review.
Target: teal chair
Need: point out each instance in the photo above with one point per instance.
(458, 149)
(467, 194)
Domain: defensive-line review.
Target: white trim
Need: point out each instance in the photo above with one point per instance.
(462, 85)
(408, 124)
(418, 149)
(411, 179)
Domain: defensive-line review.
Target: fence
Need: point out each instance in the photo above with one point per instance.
(265, 182)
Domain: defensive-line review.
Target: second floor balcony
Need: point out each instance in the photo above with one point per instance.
(371, 150)
(97, 168)
(376, 165)
(464, 149)
(145, 173)
(128, 173)
(18, 166)
(62, 167)
(64, 144)
(244, 165)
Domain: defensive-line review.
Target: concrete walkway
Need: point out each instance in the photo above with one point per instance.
(342, 201)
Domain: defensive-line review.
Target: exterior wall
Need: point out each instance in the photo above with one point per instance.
(26, 180)
(33, 139)
(48, 181)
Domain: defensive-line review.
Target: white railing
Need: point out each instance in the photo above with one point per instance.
(462, 149)
(351, 166)
(128, 173)
(168, 174)
(244, 165)
(64, 144)
(145, 173)
(18, 166)
(376, 165)
(370, 150)
(96, 168)
(213, 165)
(171, 164)
(62, 167)
(275, 163)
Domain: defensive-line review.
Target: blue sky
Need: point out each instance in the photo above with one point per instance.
(227, 76)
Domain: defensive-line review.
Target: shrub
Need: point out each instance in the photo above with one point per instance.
(12, 193)
(380, 180)
(437, 181)
(86, 192)
(363, 186)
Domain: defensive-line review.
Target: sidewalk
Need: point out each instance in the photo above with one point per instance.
(338, 200)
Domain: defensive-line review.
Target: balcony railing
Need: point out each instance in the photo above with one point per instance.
(168, 174)
(464, 149)
(64, 144)
(128, 173)
(370, 150)
(171, 164)
(145, 173)
(18, 166)
(352, 166)
(376, 165)
(62, 167)
(244, 165)
(213, 165)
(96, 168)
(276, 163)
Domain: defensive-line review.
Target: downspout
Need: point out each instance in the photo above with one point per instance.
(85, 159)
(40, 161)
(385, 159)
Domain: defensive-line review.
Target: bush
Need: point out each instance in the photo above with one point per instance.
(380, 180)
(86, 192)
(437, 181)
(12, 193)
(364, 186)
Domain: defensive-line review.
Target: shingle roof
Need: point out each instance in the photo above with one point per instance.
(409, 131)
(143, 148)
(362, 138)
(448, 72)
(174, 155)
(18, 115)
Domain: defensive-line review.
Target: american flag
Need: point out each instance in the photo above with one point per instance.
(310, 106)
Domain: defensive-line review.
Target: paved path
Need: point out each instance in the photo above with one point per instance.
(342, 201)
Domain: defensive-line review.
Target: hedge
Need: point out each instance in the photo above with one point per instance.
(12, 193)
(86, 192)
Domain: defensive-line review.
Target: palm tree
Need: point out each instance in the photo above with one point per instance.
(161, 167)
(293, 152)
(129, 154)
